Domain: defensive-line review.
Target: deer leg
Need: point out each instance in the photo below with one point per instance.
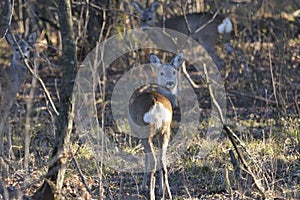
(150, 165)
(164, 183)
(7, 103)
(161, 180)
(4, 129)
(9, 141)
(1, 138)
(146, 151)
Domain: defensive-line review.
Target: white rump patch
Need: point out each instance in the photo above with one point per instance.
(157, 115)
(225, 26)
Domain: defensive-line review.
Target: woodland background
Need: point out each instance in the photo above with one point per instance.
(262, 80)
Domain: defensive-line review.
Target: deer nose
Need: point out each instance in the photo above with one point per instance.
(170, 83)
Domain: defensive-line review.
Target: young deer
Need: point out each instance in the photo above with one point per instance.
(151, 115)
(11, 79)
(204, 28)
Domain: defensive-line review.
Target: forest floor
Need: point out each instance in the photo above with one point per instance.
(263, 93)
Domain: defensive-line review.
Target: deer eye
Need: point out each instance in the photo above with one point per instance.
(27, 49)
(149, 19)
(161, 73)
(17, 49)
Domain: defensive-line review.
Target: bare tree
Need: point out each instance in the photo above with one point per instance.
(51, 189)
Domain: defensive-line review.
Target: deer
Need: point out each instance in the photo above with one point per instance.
(150, 116)
(205, 28)
(11, 79)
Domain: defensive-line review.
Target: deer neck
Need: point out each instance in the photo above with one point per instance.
(170, 94)
(17, 72)
(17, 65)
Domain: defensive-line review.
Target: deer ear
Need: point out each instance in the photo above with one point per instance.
(9, 39)
(32, 38)
(178, 60)
(137, 7)
(154, 59)
(154, 6)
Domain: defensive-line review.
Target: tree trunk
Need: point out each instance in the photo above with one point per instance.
(51, 188)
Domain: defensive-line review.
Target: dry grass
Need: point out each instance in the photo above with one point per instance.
(262, 83)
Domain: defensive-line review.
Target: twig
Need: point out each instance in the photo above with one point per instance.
(214, 101)
(232, 136)
(296, 104)
(244, 162)
(252, 96)
(209, 21)
(188, 27)
(43, 86)
(100, 169)
(81, 175)
(272, 77)
(29, 105)
(195, 85)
